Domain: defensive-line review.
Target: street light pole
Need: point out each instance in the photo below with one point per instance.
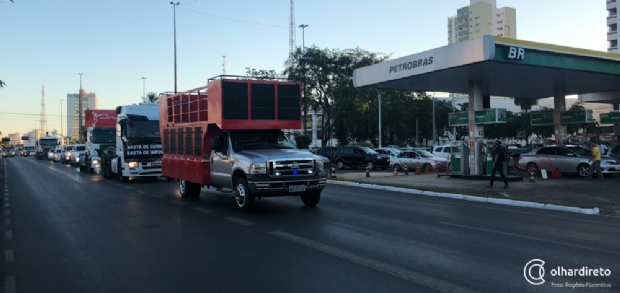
(380, 134)
(434, 130)
(61, 132)
(144, 89)
(174, 12)
(80, 110)
(303, 37)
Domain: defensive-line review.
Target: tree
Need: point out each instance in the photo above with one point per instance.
(321, 72)
(266, 74)
(151, 97)
(2, 84)
(525, 104)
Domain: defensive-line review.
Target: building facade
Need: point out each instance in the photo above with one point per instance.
(612, 26)
(90, 101)
(482, 17)
(15, 138)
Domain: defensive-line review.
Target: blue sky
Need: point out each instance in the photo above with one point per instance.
(115, 43)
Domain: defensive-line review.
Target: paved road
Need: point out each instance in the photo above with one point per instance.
(67, 231)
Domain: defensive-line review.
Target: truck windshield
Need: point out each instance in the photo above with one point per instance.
(28, 148)
(104, 135)
(143, 129)
(259, 140)
(48, 142)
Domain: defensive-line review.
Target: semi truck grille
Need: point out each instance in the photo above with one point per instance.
(277, 168)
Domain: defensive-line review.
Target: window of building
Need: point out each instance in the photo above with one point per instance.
(613, 44)
(613, 12)
(613, 27)
(499, 28)
(477, 17)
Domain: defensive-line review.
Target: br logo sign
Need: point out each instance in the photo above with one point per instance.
(516, 53)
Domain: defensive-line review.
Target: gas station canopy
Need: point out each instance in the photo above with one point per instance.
(506, 67)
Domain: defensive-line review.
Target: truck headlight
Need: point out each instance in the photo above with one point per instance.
(95, 161)
(132, 165)
(319, 166)
(258, 168)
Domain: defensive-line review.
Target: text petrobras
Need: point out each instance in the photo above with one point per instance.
(412, 64)
(534, 272)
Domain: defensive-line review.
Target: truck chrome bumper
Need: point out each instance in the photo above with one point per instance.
(266, 187)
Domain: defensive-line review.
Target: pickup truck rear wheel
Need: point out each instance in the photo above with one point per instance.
(189, 189)
(311, 199)
(243, 196)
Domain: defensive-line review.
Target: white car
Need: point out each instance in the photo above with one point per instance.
(57, 156)
(442, 151)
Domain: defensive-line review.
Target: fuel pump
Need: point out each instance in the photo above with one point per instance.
(459, 154)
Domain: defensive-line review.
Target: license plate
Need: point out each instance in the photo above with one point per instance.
(156, 164)
(297, 188)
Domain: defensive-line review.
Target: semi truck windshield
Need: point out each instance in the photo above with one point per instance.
(48, 142)
(143, 129)
(104, 135)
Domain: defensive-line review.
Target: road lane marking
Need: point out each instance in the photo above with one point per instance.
(6, 205)
(129, 187)
(531, 238)
(156, 196)
(8, 255)
(7, 222)
(6, 199)
(374, 264)
(239, 221)
(7, 212)
(8, 235)
(6, 194)
(206, 211)
(141, 191)
(177, 202)
(9, 284)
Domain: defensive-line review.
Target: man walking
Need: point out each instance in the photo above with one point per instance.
(596, 161)
(498, 163)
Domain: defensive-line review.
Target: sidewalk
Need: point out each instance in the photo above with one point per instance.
(568, 191)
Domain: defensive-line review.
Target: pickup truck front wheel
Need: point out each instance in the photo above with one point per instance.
(311, 199)
(243, 197)
(189, 189)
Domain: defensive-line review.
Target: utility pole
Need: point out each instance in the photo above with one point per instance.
(416, 134)
(174, 12)
(380, 134)
(303, 37)
(144, 89)
(434, 130)
(80, 110)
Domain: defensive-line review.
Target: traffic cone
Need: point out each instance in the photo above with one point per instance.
(418, 170)
(532, 179)
(367, 172)
(395, 172)
(406, 169)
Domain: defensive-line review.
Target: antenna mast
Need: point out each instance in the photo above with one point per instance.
(224, 65)
(291, 36)
(42, 118)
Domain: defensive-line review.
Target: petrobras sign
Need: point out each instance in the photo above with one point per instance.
(411, 64)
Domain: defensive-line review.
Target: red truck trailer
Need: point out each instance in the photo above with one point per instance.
(232, 139)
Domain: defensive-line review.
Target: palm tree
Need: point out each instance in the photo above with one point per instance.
(2, 84)
(151, 97)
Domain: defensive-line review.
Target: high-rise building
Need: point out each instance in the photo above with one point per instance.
(482, 17)
(90, 101)
(612, 25)
(16, 139)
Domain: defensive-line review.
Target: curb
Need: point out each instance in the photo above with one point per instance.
(500, 201)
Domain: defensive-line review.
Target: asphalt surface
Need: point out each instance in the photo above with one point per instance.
(67, 231)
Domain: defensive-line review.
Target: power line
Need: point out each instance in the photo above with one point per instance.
(232, 19)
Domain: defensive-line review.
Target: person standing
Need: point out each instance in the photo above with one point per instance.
(499, 157)
(596, 161)
(602, 149)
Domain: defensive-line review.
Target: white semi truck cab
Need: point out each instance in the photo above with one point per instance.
(138, 149)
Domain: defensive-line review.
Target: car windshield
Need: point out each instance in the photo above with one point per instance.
(426, 154)
(9, 149)
(80, 148)
(369, 151)
(581, 151)
(143, 129)
(104, 135)
(259, 140)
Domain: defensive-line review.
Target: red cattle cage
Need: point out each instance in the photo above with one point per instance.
(189, 120)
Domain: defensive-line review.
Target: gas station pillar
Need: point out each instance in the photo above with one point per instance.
(476, 132)
(559, 105)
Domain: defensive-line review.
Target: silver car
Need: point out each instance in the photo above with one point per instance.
(569, 159)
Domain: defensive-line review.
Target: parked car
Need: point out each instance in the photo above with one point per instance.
(432, 162)
(359, 156)
(328, 152)
(326, 160)
(571, 159)
(442, 151)
(614, 151)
